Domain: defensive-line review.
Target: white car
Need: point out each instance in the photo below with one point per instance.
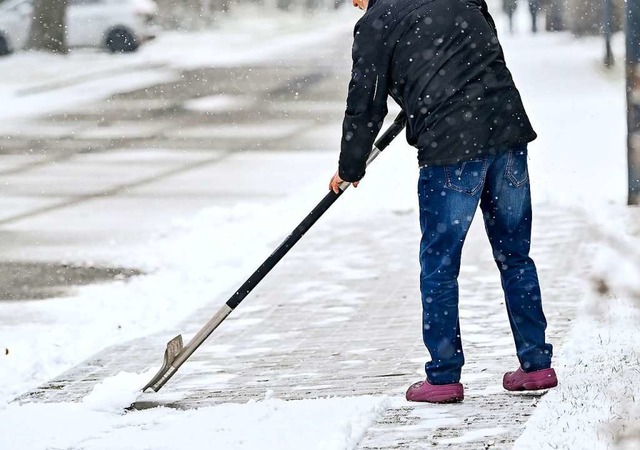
(118, 25)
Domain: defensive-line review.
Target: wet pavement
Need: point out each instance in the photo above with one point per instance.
(26, 281)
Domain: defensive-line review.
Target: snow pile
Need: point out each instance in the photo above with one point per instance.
(98, 423)
(596, 401)
(117, 392)
(616, 263)
(596, 405)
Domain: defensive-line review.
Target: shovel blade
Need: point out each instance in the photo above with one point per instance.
(174, 347)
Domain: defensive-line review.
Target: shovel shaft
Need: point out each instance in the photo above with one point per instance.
(312, 218)
(176, 355)
(175, 358)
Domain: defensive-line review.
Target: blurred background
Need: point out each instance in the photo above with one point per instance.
(579, 17)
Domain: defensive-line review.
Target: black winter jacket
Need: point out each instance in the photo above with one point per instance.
(442, 63)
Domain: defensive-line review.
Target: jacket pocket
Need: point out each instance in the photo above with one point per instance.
(466, 177)
(516, 171)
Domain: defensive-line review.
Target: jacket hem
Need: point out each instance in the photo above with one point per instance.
(491, 151)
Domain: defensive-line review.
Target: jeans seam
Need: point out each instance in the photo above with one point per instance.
(472, 192)
(509, 171)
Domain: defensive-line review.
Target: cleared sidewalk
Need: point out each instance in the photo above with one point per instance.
(340, 316)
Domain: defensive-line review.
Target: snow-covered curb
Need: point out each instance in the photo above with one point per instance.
(597, 405)
(98, 423)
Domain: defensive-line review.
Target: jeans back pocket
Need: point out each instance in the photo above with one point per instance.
(516, 171)
(466, 177)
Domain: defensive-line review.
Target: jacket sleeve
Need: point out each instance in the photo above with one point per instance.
(366, 101)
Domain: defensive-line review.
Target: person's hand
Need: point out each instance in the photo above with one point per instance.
(336, 181)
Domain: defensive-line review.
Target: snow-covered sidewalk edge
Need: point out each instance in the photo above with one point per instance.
(596, 405)
(336, 423)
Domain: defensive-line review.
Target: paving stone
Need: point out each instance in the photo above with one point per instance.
(309, 331)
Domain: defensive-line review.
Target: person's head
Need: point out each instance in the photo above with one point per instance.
(362, 4)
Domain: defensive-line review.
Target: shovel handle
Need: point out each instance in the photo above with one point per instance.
(244, 290)
(176, 354)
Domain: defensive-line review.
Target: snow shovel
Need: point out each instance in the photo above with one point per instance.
(176, 353)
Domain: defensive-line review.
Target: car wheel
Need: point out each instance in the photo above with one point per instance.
(120, 40)
(4, 46)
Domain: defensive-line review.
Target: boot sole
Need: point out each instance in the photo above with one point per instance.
(438, 399)
(456, 399)
(547, 380)
(452, 395)
(534, 386)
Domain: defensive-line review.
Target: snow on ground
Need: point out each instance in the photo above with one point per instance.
(596, 404)
(98, 423)
(579, 113)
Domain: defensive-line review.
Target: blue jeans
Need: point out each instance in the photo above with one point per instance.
(448, 197)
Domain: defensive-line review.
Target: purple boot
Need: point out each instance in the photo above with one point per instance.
(529, 381)
(422, 391)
